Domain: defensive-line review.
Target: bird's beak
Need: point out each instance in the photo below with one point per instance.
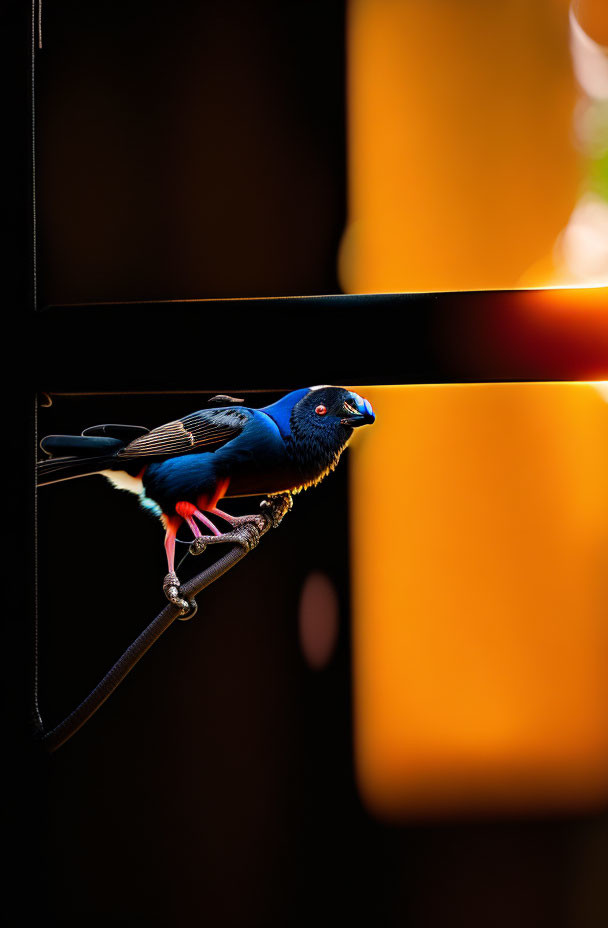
(358, 412)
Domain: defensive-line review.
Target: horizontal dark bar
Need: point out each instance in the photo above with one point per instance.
(388, 338)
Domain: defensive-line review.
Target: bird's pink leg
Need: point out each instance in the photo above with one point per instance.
(282, 503)
(232, 520)
(194, 528)
(202, 518)
(189, 512)
(171, 584)
(209, 503)
(245, 530)
(171, 523)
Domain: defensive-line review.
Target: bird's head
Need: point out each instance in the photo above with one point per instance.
(316, 424)
(324, 414)
(321, 425)
(332, 409)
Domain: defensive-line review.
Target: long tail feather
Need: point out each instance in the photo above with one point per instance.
(56, 469)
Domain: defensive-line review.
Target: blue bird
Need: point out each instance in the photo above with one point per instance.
(181, 470)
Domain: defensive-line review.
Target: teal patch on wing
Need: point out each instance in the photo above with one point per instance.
(146, 503)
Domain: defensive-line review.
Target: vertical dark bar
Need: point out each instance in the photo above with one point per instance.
(25, 766)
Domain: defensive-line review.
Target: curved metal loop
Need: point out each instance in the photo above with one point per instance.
(192, 610)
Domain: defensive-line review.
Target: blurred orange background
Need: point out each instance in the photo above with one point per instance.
(473, 151)
(481, 596)
(480, 512)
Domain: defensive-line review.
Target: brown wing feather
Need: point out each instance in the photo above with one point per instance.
(205, 430)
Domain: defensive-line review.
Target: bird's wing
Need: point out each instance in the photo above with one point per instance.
(205, 430)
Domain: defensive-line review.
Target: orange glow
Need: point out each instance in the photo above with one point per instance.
(583, 304)
(462, 167)
(568, 323)
(593, 17)
(480, 598)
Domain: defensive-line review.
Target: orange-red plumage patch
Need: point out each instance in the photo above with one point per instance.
(185, 510)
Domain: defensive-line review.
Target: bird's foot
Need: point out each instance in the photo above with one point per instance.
(246, 533)
(247, 530)
(199, 544)
(171, 588)
(277, 507)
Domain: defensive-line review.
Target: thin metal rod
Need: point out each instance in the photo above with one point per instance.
(134, 653)
(123, 666)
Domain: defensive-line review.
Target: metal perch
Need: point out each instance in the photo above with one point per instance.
(182, 606)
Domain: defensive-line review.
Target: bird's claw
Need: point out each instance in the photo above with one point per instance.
(171, 588)
(199, 544)
(247, 530)
(247, 534)
(277, 507)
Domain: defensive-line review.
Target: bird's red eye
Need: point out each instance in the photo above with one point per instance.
(321, 410)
